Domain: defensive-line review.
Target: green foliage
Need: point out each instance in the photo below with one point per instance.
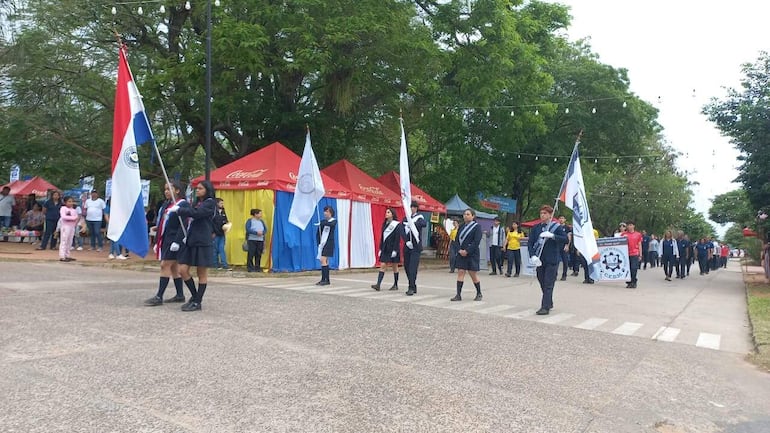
(732, 207)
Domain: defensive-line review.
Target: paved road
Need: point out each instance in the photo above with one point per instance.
(78, 353)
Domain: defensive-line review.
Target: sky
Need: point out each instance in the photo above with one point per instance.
(679, 54)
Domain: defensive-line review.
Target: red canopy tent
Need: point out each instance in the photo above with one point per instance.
(37, 185)
(272, 167)
(365, 188)
(427, 203)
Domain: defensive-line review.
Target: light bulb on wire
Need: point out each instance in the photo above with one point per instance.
(162, 9)
(114, 10)
(139, 10)
(187, 5)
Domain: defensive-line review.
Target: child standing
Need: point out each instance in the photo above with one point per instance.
(69, 220)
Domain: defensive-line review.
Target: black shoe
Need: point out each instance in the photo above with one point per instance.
(515, 275)
(478, 297)
(154, 301)
(393, 287)
(176, 298)
(632, 286)
(410, 292)
(192, 306)
(564, 278)
(493, 273)
(588, 281)
(542, 312)
(574, 274)
(457, 298)
(628, 285)
(376, 287)
(323, 283)
(508, 275)
(669, 278)
(451, 271)
(320, 283)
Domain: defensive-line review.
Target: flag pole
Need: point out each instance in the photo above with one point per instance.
(122, 47)
(317, 210)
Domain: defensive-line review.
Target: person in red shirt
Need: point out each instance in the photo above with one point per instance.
(723, 253)
(634, 251)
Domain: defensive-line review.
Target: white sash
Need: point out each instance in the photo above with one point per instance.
(466, 231)
(389, 230)
(324, 239)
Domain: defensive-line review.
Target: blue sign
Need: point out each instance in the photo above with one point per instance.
(502, 204)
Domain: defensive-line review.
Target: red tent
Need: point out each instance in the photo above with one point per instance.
(427, 203)
(37, 185)
(365, 188)
(272, 167)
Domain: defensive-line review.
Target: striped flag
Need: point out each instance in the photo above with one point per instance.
(573, 194)
(406, 184)
(310, 188)
(128, 224)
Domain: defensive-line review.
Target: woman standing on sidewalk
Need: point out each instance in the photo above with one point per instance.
(389, 249)
(513, 248)
(198, 248)
(51, 207)
(69, 220)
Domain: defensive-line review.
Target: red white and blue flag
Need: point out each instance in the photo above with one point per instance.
(128, 224)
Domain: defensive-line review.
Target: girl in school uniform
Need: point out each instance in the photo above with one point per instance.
(468, 256)
(325, 238)
(390, 249)
(198, 248)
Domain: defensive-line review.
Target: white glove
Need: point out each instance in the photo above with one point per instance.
(535, 261)
(174, 246)
(174, 208)
(155, 248)
(393, 255)
(184, 240)
(409, 244)
(379, 253)
(546, 235)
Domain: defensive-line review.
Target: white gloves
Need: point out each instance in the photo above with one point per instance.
(546, 235)
(155, 248)
(174, 208)
(409, 244)
(393, 255)
(379, 253)
(174, 246)
(535, 261)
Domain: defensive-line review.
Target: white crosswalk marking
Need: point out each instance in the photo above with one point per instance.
(467, 305)
(384, 295)
(591, 323)
(415, 298)
(627, 328)
(442, 301)
(557, 318)
(322, 289)
(495, 309)
(340, 291)
(308, 287)
(521, 314)
(284, 285)
(666, 334)
(709, 341)
(367, 292)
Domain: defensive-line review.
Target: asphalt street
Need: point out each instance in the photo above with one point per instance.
(79, 353)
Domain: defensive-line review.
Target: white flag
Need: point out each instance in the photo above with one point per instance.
(406, 185)
(573, 194)
(310, 188)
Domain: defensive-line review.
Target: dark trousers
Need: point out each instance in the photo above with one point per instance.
(645, 256)
(452, 256)
(514, 258)
(584, 264)
(684, 266)
(95, 229)
(546, 276)
(703, 263)
(633, 265)
(254, 255)
(653, 258)
(50, 227)
(496, 258)
(669, 263)
(564, 257)
(411, 263)
(576, 261)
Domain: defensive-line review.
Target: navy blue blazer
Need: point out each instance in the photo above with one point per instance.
(200, 232)
(471, 242)
(553, 247)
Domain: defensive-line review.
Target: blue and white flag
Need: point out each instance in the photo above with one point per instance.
(573, 194)
(128, 224)
(310, 188)
(406, 185)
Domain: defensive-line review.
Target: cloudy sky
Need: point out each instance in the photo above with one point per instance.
(679, 54)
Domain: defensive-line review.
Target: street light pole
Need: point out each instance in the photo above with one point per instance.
(208, 90)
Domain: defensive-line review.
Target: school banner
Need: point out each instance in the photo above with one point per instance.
(613, 259)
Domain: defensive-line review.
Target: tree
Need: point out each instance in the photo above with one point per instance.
(732, 207)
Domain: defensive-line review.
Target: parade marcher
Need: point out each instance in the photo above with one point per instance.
(197, 249)
(168, 241)
(220, 219)
(634, 252)
(546, 241)
(513, 248)
(584, 263)
(326, 241)
(622, 228)
(564, 254)
(496, 242)
(412, 247)
(69, 220)
(670, 254)
(645, 249)
(703, 248)
(51, 208)
(469, 255)
(725, 252)
(715, 253)
(652, 251)
(683, 242)
(390, 246)
(255, 240)
(453, 247)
